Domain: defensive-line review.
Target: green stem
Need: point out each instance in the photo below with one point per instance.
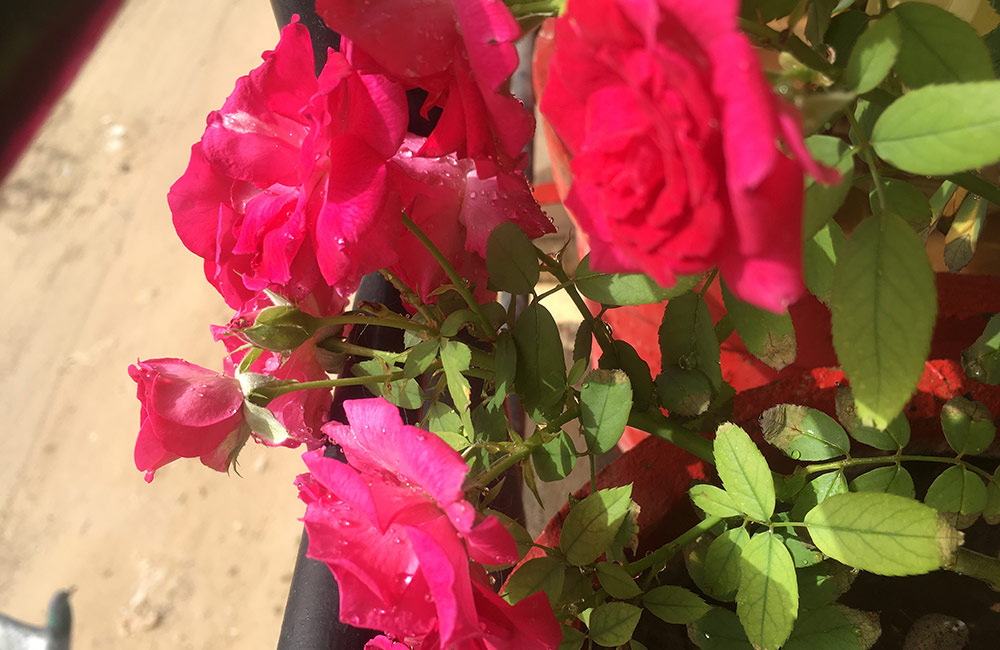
(409, 295)
(598, 326)
(401, 323)
(271, 392)
(869, 158)
(708, 283)
(460, 286)
(479, 358)
(979, 566)
(892, 460)
(788, 42)
(665, 552)
(656, 423)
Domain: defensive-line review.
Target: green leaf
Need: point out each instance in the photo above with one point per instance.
(626, 358)
(719, 629)
(687, 337)
(605, 404)
(419, 358)
(583, 342)
(627, 288)
(572, 638)
(541, 368)
(767, 601)
(455, 359)
(882, 533)
(555, 459)
(714, 501)
(883, 308)
(825, 628)
(873, 55)
(905, 200)
(803, 433)
(957, 490)
(445, 423)
(938, 47)
(511, 262)
(941, 130)
(540, 574)
(684, 392)
(675, 604)
(506, 368)
(803, 553)
(456, 321)
(893, 437)
(404, 393)
(981, 360)
(592, 523)
(612, 624)
(818, 490)
(963, 237)
(891, 480)
(822, 202)
(819, 258)
(721, 570)
(968, 425)
(744, 472)
(991, 513)
(768, 336)
(262, 422)
(577, 371)
(823, 583)
(818, 19)
(617, 581)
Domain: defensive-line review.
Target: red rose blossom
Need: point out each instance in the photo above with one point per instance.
(460, 51)
(288, 188)
(393, 525)
(187, 412)
(673, 130)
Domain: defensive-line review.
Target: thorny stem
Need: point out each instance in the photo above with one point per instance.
(456, 279)
(665, 552)
(540, 437)
(893, 460)
(402, 323)
(409, 295)
(271, 392)
(788, 42)
(598, 326)
(479, 359)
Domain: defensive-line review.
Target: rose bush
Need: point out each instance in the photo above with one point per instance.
(673, 129)
(393, 525)
(186, 412)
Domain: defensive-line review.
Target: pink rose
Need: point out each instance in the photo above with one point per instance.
(187, 412)
(457, 209)
(288, 188)
(462, 52)
(393, 525)
(673, 130)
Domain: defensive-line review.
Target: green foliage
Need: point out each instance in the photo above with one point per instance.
(963, 236)
(892, 480)
(612, 624)
(605, 404)
(684, 392)
(675, 604)
(957, 490)
(626, 358)
(262, 422)
(511, 261)
(873, 55)
(627, 288)
(714, 501)
(904, 200)
(617, 581)
(822, 202)
(883, 310)
(768, 336)
(981, 360)
(823, 583)
(455, 359)
(767, 600)
(592, 524)
(968, 425)
(719, 629)
(819, 257)
(938, 47)
(540, 574)
(882, 533)
(744, 472)
(825, 628)
(893, 437)
(818, 490)
(505, 355)
(803, 433)
(941, 129)
(555, 459)
(687, 337)
(419, 358)
(541, 369)
(721, 568)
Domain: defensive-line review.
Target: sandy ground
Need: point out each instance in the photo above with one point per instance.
(94, 279)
